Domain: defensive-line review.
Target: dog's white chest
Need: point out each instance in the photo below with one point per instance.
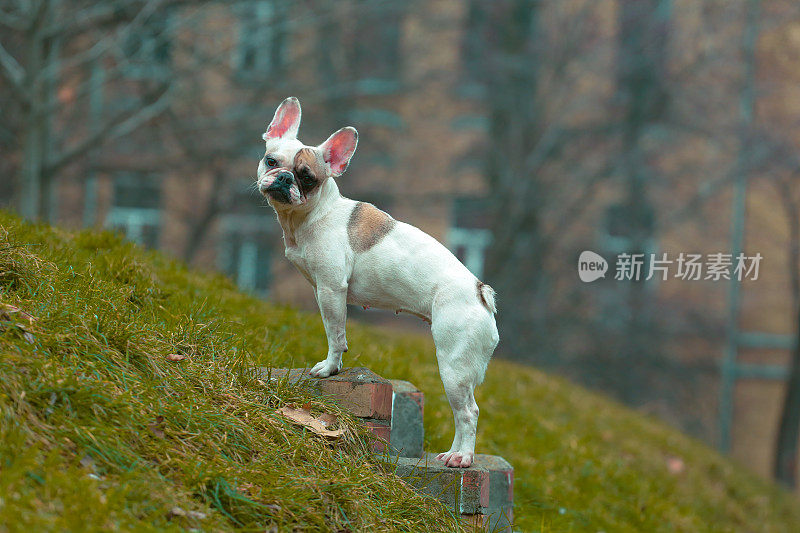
(296, 257)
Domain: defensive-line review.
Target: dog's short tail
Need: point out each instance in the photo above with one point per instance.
(486, 295)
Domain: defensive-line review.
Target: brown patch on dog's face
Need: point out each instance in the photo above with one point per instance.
(309, 170)
(367, 226)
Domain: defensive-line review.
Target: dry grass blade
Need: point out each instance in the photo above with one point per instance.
(9, 313)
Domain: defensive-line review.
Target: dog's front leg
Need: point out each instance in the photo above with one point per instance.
(333, 308)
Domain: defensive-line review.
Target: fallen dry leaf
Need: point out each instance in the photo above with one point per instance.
(328, 419)
(7, 310)
(176, 357)
(157, 427)
(9, 313)
(319, 425)
(176, 511)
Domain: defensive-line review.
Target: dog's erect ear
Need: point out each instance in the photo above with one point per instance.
(286, 121)
(339, 148)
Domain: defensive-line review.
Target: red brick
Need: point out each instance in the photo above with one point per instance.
(474, 489)
(382, 430)
(494, 520)
(481, 493)
(357, 389)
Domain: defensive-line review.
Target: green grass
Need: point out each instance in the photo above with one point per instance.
(99, 430)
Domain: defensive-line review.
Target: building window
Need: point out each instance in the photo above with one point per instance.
(473, 50)
(246, 244)
(261, 40)
(376, 58)
(245, 255)
(615, 236)
(136, 207)
(469, 235)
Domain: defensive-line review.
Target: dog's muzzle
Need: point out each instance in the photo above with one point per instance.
(280, 187)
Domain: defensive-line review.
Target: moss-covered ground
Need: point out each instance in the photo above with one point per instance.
(128, 402)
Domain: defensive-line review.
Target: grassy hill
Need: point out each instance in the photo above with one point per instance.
(127, 402)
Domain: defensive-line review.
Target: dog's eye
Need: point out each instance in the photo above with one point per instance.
(270, 161)
(307, 179)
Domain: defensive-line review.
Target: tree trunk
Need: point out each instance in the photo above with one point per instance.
(786, 445)
(40, 86)
(202, 224)
(509, 67)
(31, 169)
(51, 48)
(32, 147)
(640, 67)
(785, 468)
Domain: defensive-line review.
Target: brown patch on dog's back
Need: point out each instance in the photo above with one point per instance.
(367, 226)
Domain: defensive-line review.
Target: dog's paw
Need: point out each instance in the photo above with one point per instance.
(323, 369)
(456, 459)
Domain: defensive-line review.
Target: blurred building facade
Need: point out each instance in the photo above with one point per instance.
(513, 126)
(416, 120)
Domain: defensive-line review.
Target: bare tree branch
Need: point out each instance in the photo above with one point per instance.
(13, 72)
(15, 22)
(85, 19)
(105, 44)
(119, 126)
(706, 192)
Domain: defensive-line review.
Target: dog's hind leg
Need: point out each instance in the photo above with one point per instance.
(465, 415)
(463, 350)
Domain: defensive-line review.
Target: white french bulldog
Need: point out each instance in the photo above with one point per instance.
(352, 252)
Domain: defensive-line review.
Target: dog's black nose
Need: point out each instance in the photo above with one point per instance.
(284, 178)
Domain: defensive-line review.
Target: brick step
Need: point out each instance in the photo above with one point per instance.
(359, 390)
(482, 494)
